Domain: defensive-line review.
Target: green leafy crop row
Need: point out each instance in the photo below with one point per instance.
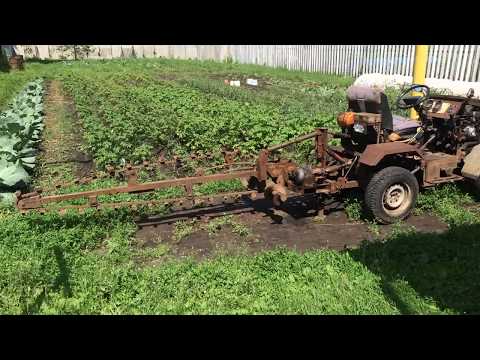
(20, 130)
(133, 116)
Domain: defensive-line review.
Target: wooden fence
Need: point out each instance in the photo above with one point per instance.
(454, 62)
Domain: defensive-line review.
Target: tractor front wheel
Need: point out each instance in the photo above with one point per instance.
(391, 194)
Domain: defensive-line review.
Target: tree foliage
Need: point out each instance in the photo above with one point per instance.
(75, 51)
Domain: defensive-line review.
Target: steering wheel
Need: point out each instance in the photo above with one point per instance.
(406, 101)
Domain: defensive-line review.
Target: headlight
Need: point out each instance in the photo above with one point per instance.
(345, 119)
(360, 128)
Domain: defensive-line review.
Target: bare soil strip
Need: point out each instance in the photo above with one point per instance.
(301, 234)
(60, 157)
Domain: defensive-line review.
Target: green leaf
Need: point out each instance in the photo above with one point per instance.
(14, 128)
(8, 143)
(7, 198)
(13, 175)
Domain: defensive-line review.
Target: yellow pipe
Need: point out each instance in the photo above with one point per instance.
(419, 71)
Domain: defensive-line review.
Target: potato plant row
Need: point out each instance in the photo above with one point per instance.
(132, 116)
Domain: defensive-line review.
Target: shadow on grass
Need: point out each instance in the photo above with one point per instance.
(442, 267)
(62, 281)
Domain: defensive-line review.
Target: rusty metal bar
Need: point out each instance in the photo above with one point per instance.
(329, 169)
(37, 201)
(182, 202)
(294, 141)
(321, 143)
(335, 155)
(335, 186)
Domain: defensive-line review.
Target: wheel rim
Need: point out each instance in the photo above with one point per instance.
(396, 199)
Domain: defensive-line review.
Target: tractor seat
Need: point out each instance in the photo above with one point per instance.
(370, 100)
(404, 126)
(373, 100)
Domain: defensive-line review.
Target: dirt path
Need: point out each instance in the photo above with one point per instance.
(60, 156)
(335, 232)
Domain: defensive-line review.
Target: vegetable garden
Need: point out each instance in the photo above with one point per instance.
(133, 110)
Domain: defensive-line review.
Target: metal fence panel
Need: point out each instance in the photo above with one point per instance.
(454, 62)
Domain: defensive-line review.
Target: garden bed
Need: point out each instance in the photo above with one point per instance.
(99, 263)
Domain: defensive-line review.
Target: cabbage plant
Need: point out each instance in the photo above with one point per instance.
(20, 132)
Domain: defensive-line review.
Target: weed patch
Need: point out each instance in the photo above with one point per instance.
(216, 224)
(183, 229)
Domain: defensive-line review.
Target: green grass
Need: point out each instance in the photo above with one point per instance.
(428, 273)
(12, 82)
(50, 265)
(56, 271)
(53, 265)
(154, 252)
(353, 209)
(448, 202)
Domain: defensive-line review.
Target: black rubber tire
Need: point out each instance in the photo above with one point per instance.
(380, 183)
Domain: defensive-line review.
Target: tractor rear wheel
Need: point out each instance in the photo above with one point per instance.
(391, 194)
